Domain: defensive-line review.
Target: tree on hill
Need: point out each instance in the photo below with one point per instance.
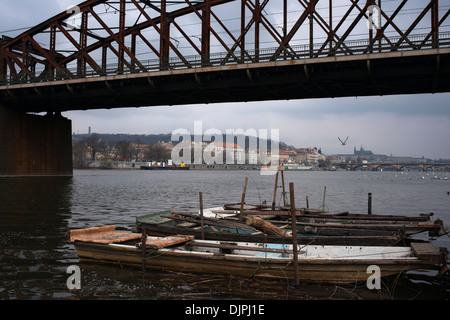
(157, 152)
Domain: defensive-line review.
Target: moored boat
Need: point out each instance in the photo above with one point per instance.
(316, 213)
(332, 225)
(334, 264)
(345, 221)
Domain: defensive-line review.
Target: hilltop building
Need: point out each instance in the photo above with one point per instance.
(363, 155)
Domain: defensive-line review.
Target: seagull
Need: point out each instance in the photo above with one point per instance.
(343, 142)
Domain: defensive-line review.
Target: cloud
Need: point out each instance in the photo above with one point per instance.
(26, 14)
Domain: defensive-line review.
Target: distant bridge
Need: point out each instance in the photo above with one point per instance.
(396, 166)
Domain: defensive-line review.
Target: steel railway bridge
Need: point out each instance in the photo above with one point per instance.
(135, 53)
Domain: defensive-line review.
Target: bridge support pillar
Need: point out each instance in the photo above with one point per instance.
(33, 145)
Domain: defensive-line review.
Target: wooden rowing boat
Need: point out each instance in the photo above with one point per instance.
(332, 226)
(335, 264)
(214, 228)
(348, 223)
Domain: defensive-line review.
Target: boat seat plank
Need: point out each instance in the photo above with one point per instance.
(428, 252)
(167, 241)
(424, 249)
(105, 235)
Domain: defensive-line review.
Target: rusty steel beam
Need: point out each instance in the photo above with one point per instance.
(164, 36)
(122, 27)
(206, 33)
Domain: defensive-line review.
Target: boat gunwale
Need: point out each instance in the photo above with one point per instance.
(173, 252)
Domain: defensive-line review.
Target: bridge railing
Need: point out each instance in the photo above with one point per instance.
(297, 52)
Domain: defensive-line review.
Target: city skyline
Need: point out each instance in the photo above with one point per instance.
(144, 140)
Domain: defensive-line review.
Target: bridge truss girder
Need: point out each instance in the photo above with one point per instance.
(57, 48)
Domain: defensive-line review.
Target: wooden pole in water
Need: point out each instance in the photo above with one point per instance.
(294, 233)
(275, 191)
(241, 214)
(201, 215)
(369, 204)
(323, 201)
(284, 191)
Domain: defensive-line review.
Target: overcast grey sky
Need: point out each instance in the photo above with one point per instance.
(416, 125)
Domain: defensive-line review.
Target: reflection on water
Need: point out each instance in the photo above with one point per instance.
(36, 213)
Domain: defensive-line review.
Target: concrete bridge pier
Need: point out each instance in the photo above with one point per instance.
(35, 145)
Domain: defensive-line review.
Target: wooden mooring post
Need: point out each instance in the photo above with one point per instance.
(202, 225)
(241, 213)
(275, 191)
(323, 200)
(294, 233)
(284, 190)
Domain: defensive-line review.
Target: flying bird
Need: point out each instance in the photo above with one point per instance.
(343, 142)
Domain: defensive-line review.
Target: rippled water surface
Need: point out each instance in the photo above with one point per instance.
(36, 213)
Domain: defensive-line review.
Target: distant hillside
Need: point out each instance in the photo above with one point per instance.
(138, 138)
(151, 139)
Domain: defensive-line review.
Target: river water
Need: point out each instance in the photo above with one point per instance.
(36, 213)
